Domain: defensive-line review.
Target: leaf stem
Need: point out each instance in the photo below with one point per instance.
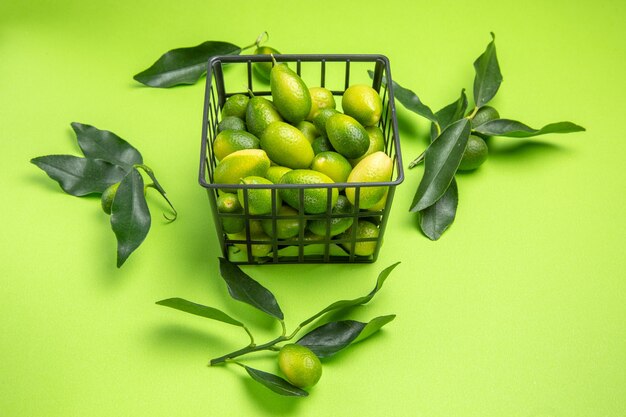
(248, 349)
(160, 189)
(258, 41)
(417, 160)
(473, 113)
(438, 127)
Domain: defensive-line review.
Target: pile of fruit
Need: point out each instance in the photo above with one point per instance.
(299, 137)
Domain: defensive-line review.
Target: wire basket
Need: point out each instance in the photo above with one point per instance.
(229, 75)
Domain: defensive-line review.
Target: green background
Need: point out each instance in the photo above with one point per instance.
(519, 310)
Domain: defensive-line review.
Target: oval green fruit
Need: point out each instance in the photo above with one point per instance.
(475, 154)
(107, 197)
(259, 248)
(263, 69)
(231, 123)
(484, 115)
(377, 143)
(259, 114)
(376, 167)
(333, 164)
(321, 118)
(347, 136)
(259, 199)
(336, 225)
(289, 93)
(286, 228)
(363, 103)
(229, 141)
(321, 98)
(308, 129)
(286, 145)
(275, 172)
(228, 203)
(300, 365)
(315, 199)
(240, 164)
(321, 144)
(364, 230)
(235, 105)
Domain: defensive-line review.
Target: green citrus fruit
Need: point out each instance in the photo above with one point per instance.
(259, 114)
(289, 93)
(315, 199)
(483, 115)
(107, 197)
(235, 105)
(321, 144)
(377, 143)
(333, 164)
(241, 164)
(263, 69)
(285, 228)
(286, 145)
(275, 172)
(476, 152)
(300, 365)
(259, 199)
(380, 205)
(363, 103)
(347, 136)
(365, 230)
(321, 118)
(376, 167)
(229, 141)
(228, 203)
(338, 225)
(321, 98)
(258, 249)
(231, 123)
(308, 129)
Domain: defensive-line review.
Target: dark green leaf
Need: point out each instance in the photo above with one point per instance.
(80, 176)
(130, 217)
(410, 100)
(515, 129)
(199, 310)
(357, 301)
(330, 338)
(434, 220)
(275, 383)
(184, 65)
(102, 144)
(243, 288)
(449, 114)
(488, 77)
(442, 158)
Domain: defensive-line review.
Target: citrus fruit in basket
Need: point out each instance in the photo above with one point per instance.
(286, 145)
(257, 250)
(231, 123)
(315, 199)
(259, 114)
(347, 136)
(376, 167)
(285, 228)
(263, 69)
(235, 105)
(338, 225)
(321, 118)
(229, 141)
(476, 152)
(333, 164)
(377, 143)
(363, 103)
(321, 98)
(289, 93)
(364, 230)
(300, 365)
(308, 129)
(229, 203)
(241, 164)
(259, 199)
(275, 173)
(321, 144)
(484, 115)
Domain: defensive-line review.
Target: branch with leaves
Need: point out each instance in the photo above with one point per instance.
(111, 166)
(452, 128)
(324, 341)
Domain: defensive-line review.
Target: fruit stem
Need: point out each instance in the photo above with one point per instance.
(473, 113)
(248, 349)
(258, 41)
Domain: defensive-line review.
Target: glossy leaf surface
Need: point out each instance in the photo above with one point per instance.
(488, 77)
(199, 310)
(102, 144)
(436, 219)
(515, 129)
(275, 383)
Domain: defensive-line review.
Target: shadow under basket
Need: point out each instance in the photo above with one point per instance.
(229, 75)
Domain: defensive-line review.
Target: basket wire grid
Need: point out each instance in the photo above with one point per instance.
(299, 249)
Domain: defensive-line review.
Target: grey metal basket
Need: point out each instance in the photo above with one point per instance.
(229, 75)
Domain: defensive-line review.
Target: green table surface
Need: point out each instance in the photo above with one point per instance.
(518, 311)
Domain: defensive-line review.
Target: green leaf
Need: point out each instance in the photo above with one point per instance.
(488, 77)
(409, 99)
(442, 158)
(130, 217)
(357, 301)
(243, 288)
(80, 176)
(105, 145)
(199, 310)
(275, 383)
(434, 220)
(515, 129)
(332, 337)
(184, 65)
(449, 114)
